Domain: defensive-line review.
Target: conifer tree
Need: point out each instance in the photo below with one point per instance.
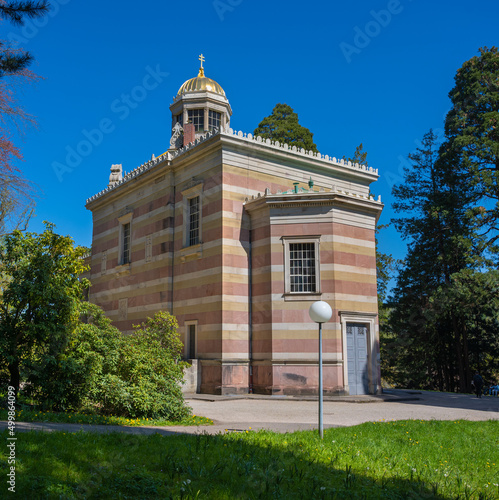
(16, 200)
(472, 128)
(282, 125)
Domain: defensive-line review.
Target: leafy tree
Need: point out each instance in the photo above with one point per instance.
(472, 128)
(40, 291)
(69, 380)
(282, 126)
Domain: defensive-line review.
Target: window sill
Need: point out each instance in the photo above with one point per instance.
(123, 269)
(302, 296)
(191, 253)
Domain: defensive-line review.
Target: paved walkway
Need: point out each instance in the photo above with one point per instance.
(288, 414)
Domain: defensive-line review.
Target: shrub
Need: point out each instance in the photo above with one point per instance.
(137, 376)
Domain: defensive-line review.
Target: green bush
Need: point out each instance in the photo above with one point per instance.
(66, 381)
(136, 376)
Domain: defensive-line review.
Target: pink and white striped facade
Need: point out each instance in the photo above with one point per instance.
(231, 290)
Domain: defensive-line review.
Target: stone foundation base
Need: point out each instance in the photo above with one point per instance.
(297, 379)
(224, 377)
(208, 376)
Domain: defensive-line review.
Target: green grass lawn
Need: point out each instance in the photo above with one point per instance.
(90, 418)
(405, 459)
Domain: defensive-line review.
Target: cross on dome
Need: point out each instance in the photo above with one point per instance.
(201, 69)
(201, 83)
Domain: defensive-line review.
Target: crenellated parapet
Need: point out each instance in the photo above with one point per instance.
(299, 151)
(239, 135)
(125, 177)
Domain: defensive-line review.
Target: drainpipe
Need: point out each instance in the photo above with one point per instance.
(173, 240)
(250, 312)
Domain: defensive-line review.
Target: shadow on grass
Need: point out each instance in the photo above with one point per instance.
(254, 465)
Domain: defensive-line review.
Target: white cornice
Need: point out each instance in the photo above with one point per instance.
(244, 139)
(312, 198)
(300, 152)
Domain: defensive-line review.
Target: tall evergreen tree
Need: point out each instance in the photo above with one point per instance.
(13, 61)
(282, 125)
(16, 201)
(472, 128)
(435, 199)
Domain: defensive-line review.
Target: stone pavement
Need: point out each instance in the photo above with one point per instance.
(288, 414)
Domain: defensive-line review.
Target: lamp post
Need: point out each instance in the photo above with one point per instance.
(320, 312)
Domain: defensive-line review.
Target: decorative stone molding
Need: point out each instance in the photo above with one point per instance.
(131, 175)
(123, 309)
(176, 140)
(313, 196)
(229, 132)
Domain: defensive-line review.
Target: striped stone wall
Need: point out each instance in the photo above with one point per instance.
(285, 340)
(249, 333)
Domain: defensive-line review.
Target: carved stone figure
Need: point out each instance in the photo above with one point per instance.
(116, 174)
(176, 140)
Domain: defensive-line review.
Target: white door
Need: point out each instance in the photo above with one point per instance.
(358, 378)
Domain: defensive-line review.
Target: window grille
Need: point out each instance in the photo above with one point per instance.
(214, 120)
(196, 116)
(302, 271)
(125, 256)
(194, 221)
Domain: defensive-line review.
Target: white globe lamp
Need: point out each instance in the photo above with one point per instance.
(320, 312)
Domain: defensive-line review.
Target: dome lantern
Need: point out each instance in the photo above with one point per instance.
(202, 102)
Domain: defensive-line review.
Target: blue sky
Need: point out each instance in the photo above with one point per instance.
(376, 72)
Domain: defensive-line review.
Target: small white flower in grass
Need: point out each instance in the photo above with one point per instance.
(323, 488)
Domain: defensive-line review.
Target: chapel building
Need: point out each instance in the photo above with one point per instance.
(237, 236)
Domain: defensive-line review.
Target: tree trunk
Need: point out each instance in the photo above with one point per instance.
(466, 360)
(15, 378)
(459, 355)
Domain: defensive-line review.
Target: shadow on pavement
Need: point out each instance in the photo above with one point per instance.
(443, 400)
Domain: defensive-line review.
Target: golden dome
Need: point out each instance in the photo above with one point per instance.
(201, 84)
